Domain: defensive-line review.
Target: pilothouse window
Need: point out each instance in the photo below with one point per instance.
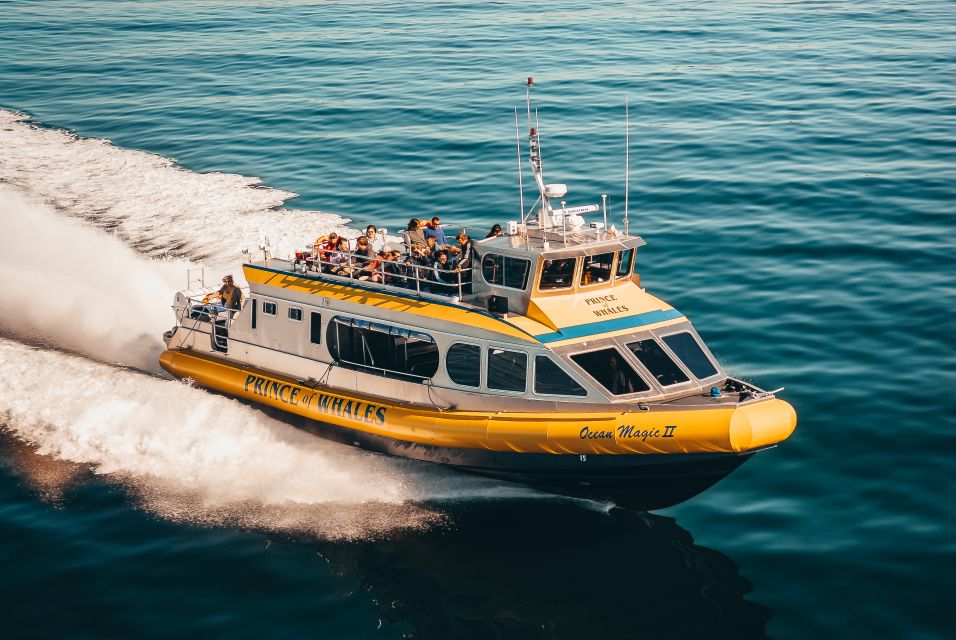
(382, 349)
(624, 263)
(657, 362)
(609, 367)
(557, 274)
(505, 271)
(689, 352)
(597, 268)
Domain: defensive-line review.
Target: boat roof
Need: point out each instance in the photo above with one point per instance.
(553, 244)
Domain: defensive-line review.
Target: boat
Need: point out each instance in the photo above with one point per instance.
(541, 359)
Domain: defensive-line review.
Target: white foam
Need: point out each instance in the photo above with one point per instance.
(149, 201)
(76, 287)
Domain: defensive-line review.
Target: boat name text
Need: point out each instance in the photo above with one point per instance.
(628, 432)
(606, 309)
(293, 395)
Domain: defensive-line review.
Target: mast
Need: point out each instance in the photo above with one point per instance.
(534, 153)
(627, 159)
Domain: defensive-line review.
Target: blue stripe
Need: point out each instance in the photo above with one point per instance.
(605, 326)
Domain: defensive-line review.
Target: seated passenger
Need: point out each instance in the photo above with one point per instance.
(340, 260)
(446, 275)
(376, 240)
(395, 273)
(372, 271)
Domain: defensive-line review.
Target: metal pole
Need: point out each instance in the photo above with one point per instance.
(604, 207)
(520, 185)
(627, 158)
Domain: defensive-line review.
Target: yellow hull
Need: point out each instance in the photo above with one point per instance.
(677, 431)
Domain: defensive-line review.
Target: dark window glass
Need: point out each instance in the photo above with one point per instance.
(557, 274)
(255, 307)
(382, 349)
(657, 362)
(295, 314)
(315, 328)
(624, 262)
(507, 370)
(550, 378)
(505, 271)
(609, 367)
(463, 363)
(690, 353)
(269, 308)
(597, 268)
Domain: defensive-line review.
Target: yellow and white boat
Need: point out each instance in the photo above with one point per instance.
(543, 362)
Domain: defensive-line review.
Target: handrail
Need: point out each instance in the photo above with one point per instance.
(409, 275)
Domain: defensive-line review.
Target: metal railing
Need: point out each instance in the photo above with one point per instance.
(402, 274)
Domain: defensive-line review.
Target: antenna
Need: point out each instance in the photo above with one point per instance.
(627, 158)
(520, 185)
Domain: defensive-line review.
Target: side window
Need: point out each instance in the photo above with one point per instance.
(463, 363)
(505, 271)
(609, 367)
(295, 314)
(315, 328)
(689, 352)
(383, 349)
(624, 259)
(657, 362)
(507, 370)
(551, 379)
(255, 308)
(557, 274)
(269, 308)
(596, 268)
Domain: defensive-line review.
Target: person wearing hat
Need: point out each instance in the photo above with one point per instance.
(230, 295)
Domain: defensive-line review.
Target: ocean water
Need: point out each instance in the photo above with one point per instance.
(793, 169)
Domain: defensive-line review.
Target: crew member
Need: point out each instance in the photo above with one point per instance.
(230, 295)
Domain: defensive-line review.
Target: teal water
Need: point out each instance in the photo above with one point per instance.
(793, 171)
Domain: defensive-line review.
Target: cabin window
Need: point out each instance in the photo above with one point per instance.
(505, 271)
(269, 308)
(689, 352)
(624, 259)
(507, 370)
(382, 349)
(315, 328)
(609, 367)
(295, 314)
(597, 269)
(255, 307)
(551, 379)
(557, 274)
(660, 365)
(463, 363)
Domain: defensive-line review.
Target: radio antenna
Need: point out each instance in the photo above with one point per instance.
(520, 185)
(627, 159)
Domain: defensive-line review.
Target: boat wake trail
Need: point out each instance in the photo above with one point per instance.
(148, 201)
(184, 454)
(77, 288)
(195, 457)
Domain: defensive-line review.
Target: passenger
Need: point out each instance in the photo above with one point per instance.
(340, 260)
(395, 272)
(446, 275)
(422, 268)
(372, 271)
(230, 295)
(495, 231)
(376, 240)
(363, 251)
(434, 230)
(464, 251)
(414, 234)
(620, 383)
(433, 248)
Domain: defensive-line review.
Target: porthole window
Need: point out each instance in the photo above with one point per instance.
(463, 363)
(269, 308)
(295, 314)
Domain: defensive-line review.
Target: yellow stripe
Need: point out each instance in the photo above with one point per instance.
(447, 313)
(721, 429)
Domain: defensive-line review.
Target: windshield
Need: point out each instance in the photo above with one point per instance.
(609, 367)
(557, 274)
(657, 362)
(689, 352)
(596, 268)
